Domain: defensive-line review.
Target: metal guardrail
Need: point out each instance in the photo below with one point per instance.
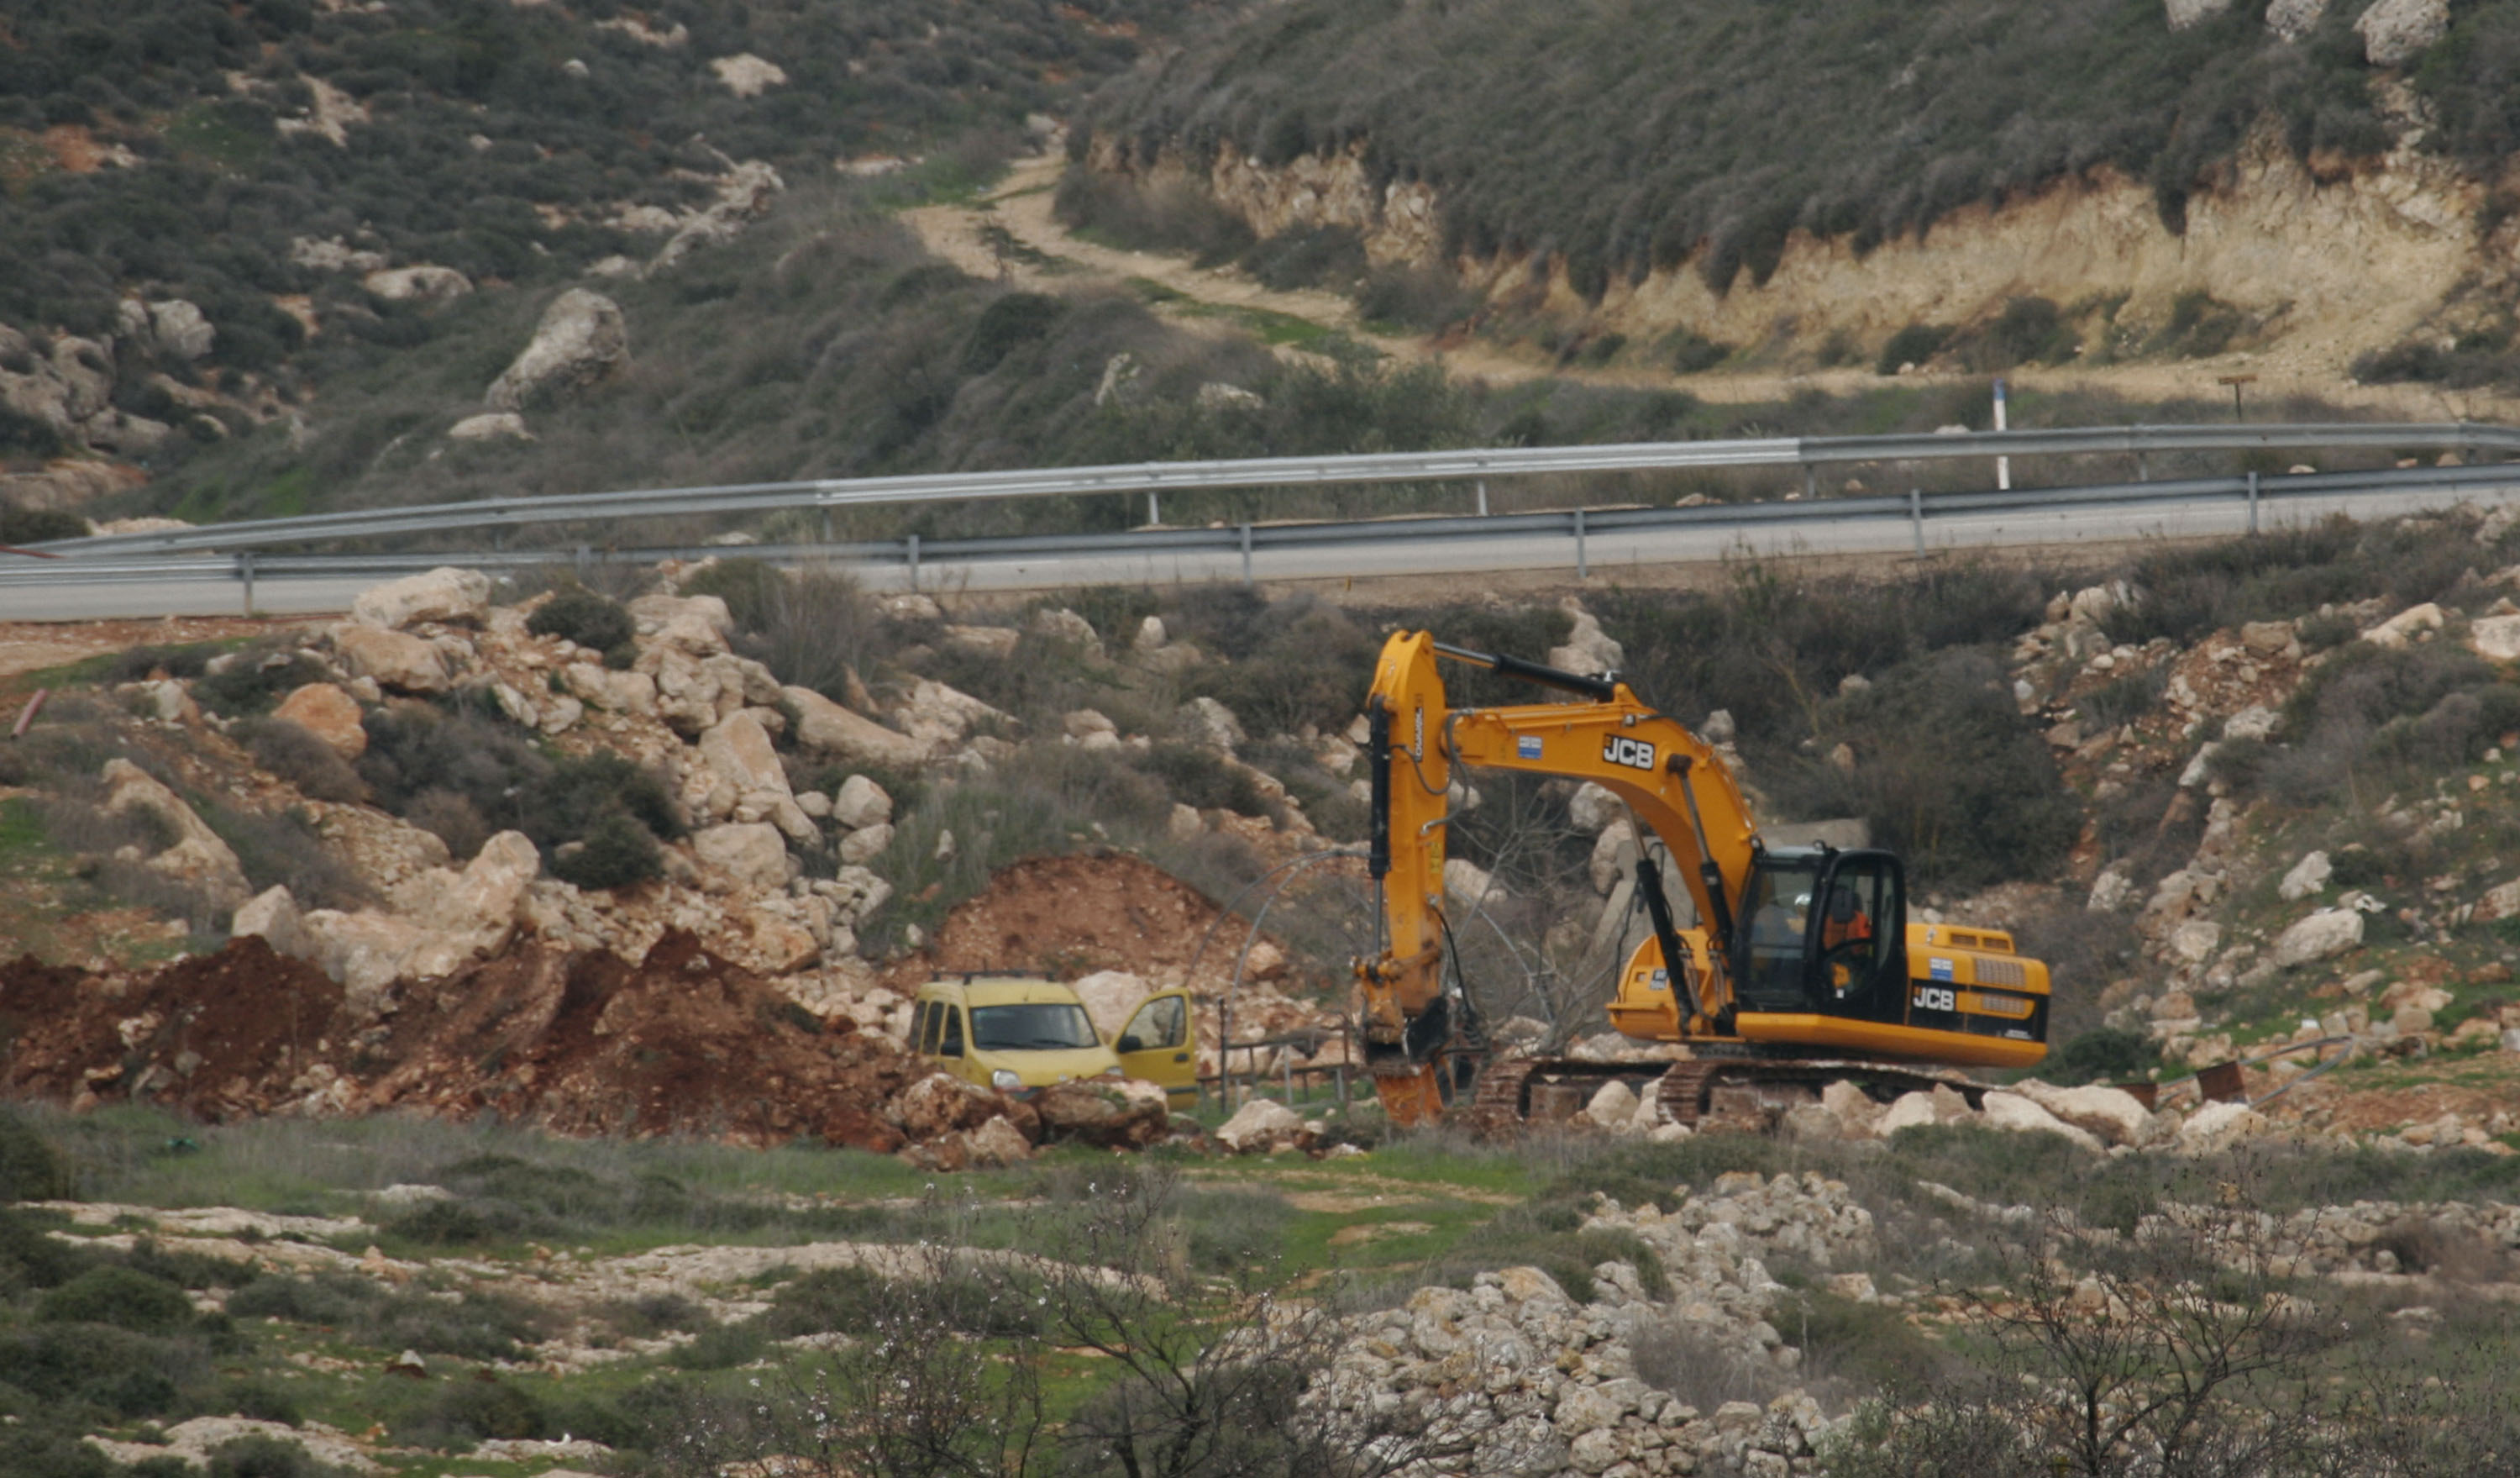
(1156, 478)
(1578, 526)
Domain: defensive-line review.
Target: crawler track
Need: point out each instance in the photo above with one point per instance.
(1502, 1101)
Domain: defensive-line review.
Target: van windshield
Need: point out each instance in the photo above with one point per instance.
(1049, 1024)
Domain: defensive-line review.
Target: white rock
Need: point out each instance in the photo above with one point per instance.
(749, 855)
(860, 801)
(1150, 636)
(2399, 629)
(580, 340)
(2308, 876)
(2396, 32)
(2217, 1127)
(490, 426)
(1588, 650)
(2013, 1111)
(181, 330)
(1259, 1125)
(1067, 628)
(1593, 808)
(827, 728)
(198, 855)
(1214, 725)
(747, 75)
(2195, 940)
(866, 844)
(1111, 996)
(2115, 1115)
(2292, 19)
(2183, 14)
(475, 912)
(273, 914)
(447, 596)
(2323, 935)
(1908, 1110)
(2495, 638)
(1467, 880)
(1613, 1106)
(426, 283)
(740, 751)
(2256, 721)
(1614, 855)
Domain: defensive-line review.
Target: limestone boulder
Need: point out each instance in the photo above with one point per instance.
(364, 953)
(1470, 882)
(941, 1103)
(828, 728)
(2217, 1127)
(426, 283)
(1111, 1112)
(2022, 1115)
(466, 914)
(2495, 638)
(738, 750)
(1111, 998)
(2115, 1115)
(1066, 628)
(1214, 725)
(181, 330)
(580, 341)
(395, 660)
(1613, 1106)
(1587, 648)
(2182, 14)
(273, 915)
(2323, 935)
(745, 854)
(1258, 1126)
(2401, 628)
(197, 856)
(996, 1142)
(2395, 32)
(2292, 19)
(2306, 877)
(329, 715)
(1593, 808)
(860, 801)
(491, 426)
(447, 596)
(866, 844)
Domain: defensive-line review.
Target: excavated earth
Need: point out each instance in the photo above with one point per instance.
(680, 1043)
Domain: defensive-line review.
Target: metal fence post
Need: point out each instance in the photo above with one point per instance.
(1916, 517)
(1483, 498)
(245, 572)
(913, 561)
(2253, 503)
(1583, 567)
(1246, 554)
(1155, 510)
(1811, 482)
(827, 523)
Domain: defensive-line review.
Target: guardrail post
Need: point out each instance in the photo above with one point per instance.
(1483, 498)
(2253, 505)
(1154, 511)
(1916, 518)
(913, 543)
(245, 572)
(1583, 567)
(1811, 482)
(585, 557)
(827, 523)
(1246, 554)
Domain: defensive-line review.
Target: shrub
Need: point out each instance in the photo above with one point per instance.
(291, 752)
(37, 526)
(265, 1456)
(257, 676)
(463, 1413)
(335, 1299)
(120, 1297)
(616, 851)
(2104, 1053)
(1690, 353)
(1916, 343)
(1007, 324)
(30, 1169)
(283, 849)
(579, 615)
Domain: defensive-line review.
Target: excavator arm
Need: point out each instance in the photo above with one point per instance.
(1673, 781)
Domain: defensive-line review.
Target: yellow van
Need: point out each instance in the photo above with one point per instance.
(1017, 1033)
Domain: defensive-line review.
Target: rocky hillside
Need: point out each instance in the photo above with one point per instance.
(1991, 185)
(219, 215)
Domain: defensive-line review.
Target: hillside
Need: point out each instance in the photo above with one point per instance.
(2109, 181)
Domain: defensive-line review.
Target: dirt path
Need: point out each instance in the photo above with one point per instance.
(1011, 234)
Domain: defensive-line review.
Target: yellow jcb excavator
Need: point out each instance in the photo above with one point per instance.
(1800, 967)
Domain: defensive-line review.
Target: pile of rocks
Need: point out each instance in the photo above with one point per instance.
(1512, 1375)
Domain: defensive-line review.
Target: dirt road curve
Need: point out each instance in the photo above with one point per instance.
(1046, 258)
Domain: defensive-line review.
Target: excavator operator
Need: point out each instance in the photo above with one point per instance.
(1843, 930)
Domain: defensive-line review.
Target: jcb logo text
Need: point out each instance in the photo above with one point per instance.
(1936, 999)
(1634, 754)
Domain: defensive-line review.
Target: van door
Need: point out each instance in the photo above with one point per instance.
(1156, 1046)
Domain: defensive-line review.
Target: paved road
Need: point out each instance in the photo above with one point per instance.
(215, 592)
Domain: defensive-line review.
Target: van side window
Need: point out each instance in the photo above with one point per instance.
(923, 1031)
(1160, 1024)
(952, 1044)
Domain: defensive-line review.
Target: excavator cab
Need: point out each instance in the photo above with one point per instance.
(1822, 930)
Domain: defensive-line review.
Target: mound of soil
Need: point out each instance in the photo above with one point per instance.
(681, 1042)
(1067, 916)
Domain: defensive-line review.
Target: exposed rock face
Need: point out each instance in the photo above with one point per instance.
(181, 330)
(2293, 19)
(446, 595)
(747, 75)
(329, 715)
(2495, 638)
(2396, 32)
(2182, 14)
(197, 856)
(490, 426)
(743, 193)
(580, 341)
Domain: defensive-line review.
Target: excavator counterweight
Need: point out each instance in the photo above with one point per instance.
(1796, 965)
